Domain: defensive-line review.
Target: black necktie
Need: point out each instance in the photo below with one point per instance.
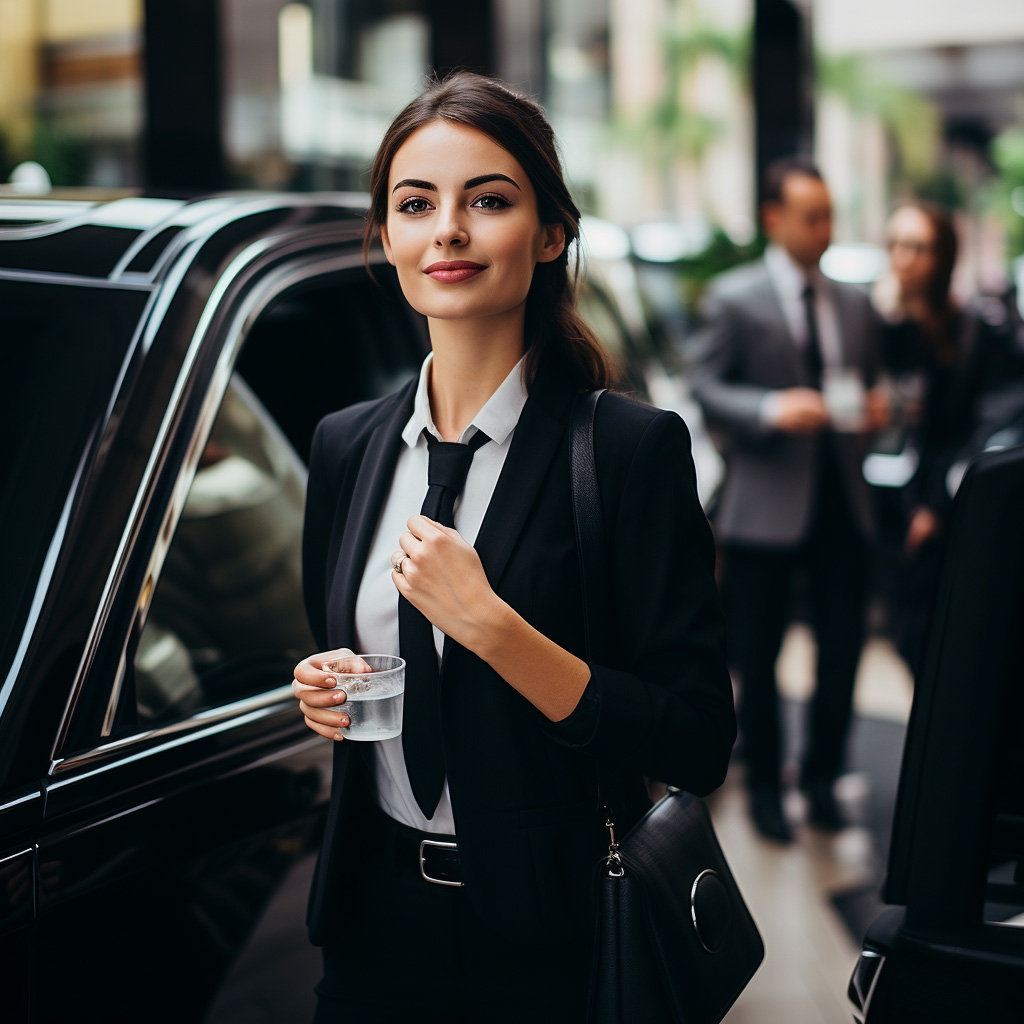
(421, 719)
(814, 360)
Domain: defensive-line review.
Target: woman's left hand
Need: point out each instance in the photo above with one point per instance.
(442, 576)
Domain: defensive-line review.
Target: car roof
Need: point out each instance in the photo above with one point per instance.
(128, 238)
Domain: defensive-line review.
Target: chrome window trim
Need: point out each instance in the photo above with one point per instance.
(292, 272)
(17, 801)
(129, 283)
(7, 858)
(154, 741)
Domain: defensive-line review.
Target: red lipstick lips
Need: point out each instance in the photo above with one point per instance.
(453, 271)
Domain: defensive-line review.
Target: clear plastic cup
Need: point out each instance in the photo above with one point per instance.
(374, 699)
(842, 390)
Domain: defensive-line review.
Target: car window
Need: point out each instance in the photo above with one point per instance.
(227, 617)
(343, 339)
(61, 351)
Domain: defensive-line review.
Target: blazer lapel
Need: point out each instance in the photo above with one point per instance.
(371, 487)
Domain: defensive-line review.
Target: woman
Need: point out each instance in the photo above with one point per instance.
(939, 356)
(468, 199)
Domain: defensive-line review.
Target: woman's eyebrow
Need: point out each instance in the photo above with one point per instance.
(415, 183)
(481, 179)
(429, 186)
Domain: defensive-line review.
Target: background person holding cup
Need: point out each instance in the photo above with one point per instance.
(464, 850)
(784, 369)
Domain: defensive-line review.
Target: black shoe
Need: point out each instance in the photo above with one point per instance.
(823, 811)
(766, 810)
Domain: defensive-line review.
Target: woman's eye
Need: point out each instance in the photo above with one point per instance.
(413, 205)
(491, 201)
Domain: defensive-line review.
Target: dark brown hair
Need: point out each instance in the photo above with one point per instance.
(773, 181)
(517, 124)
(942, 311)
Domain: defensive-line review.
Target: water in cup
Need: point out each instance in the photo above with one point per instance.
(374, 699)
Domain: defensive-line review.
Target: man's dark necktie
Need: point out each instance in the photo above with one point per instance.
(814, 361)
(421, 719)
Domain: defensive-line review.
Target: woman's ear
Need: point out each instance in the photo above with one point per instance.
(552, 242)
(385, 241)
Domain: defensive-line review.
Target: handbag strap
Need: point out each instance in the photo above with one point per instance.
(592, 549)
(589, 520)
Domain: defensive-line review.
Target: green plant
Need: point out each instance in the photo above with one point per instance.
(720, 255)
(8, 160)
(65, 157)
(673, 126)
(910, 119)
(1008, 191)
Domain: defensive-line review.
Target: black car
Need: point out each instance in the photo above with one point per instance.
(164, 363)
(950, 949)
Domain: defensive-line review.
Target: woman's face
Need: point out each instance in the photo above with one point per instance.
(911, 240)
(462, 226)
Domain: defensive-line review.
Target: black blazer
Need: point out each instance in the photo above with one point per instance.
(524, 797)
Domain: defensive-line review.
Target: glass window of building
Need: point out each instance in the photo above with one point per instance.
(71, 96)
(310, 87)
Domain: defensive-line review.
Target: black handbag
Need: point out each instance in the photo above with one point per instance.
(675, 941)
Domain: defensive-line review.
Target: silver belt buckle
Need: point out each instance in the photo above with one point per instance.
(423, 861)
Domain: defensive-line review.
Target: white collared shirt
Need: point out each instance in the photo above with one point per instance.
(789, 280)
(376, 617)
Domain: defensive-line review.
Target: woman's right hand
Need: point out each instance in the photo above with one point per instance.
(319, 699)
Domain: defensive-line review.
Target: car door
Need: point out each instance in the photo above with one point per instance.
(185, 799)
(17, 817)
(950, 947)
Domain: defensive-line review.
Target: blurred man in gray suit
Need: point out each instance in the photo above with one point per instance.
(785, 372)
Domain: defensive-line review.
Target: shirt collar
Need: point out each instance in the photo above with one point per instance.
(789, 277)
(497, 419)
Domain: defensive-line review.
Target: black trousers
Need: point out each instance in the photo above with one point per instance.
(834, 557)
(417, 951)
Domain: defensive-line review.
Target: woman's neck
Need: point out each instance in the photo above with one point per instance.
(471, 359)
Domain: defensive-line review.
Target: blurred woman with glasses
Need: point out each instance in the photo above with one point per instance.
(940, 356)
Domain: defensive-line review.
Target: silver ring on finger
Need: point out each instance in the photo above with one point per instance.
(397, 566)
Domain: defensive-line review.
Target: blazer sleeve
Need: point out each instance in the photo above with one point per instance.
(729, 404)
(668, 712)
(316, 531)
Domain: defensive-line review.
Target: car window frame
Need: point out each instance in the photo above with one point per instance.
(298, 272)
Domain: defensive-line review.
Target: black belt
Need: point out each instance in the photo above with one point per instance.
(435, 856)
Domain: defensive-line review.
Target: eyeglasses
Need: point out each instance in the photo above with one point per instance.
(909, 245)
